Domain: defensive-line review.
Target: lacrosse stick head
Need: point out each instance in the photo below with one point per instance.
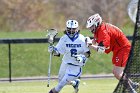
(51, 33)
(132, 9)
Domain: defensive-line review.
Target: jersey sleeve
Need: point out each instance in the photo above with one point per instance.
(60, 46)
(104, 38)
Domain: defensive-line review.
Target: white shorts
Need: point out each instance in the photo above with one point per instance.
(67, 73)
(70, 70)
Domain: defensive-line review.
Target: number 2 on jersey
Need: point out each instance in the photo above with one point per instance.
(73, 52)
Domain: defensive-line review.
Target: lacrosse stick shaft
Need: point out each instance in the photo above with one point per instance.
(51, 35)
(49, 69)
(132, 89)
(129, 83)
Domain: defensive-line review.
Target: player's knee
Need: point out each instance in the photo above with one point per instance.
(60, 76)
(117, 75)
(118, 72)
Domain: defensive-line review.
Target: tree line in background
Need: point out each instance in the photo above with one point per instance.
(30, 15)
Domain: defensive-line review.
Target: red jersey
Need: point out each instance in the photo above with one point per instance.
(111, 37)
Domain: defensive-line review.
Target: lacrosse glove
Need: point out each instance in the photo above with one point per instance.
(80, 58)
(51, 49)
(88, 41)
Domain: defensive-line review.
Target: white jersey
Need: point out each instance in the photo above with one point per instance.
(69, 48)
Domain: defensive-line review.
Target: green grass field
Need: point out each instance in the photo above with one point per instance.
(86, 86)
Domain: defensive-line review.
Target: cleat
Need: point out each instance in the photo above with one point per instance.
(76, 85)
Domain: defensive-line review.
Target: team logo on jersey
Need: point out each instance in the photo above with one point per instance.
(73, 45)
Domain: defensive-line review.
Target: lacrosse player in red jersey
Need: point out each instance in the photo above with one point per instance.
(107, 38)
(73, 46)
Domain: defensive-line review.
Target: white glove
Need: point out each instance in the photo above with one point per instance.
(50, 49)
(100, 49)
(88, 41)
(80, 58)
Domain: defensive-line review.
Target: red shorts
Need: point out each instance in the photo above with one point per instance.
(120, 57)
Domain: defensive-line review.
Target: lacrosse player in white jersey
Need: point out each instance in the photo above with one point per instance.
(75, 53)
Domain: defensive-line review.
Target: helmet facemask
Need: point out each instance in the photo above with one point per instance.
(71, 31)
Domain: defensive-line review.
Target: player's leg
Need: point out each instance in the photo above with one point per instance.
(75, 83)
(62, 71)
(128, 83)
(53, 91)
(119, 59)
(60, 85)
(71, 73)
(74, 72)
(61, 74)
(118, 71)
(64, 81)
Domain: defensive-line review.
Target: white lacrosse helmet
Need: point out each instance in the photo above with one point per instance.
(94, 20)
(72, 28)
(72, 24)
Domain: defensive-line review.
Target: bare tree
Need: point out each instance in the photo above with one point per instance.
(113, 11)
(20, 15)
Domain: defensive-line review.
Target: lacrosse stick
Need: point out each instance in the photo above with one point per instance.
(51, 33)
(130, 84)
(131, 87)
(132, 9)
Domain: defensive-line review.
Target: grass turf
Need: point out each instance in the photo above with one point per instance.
(86, 86)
